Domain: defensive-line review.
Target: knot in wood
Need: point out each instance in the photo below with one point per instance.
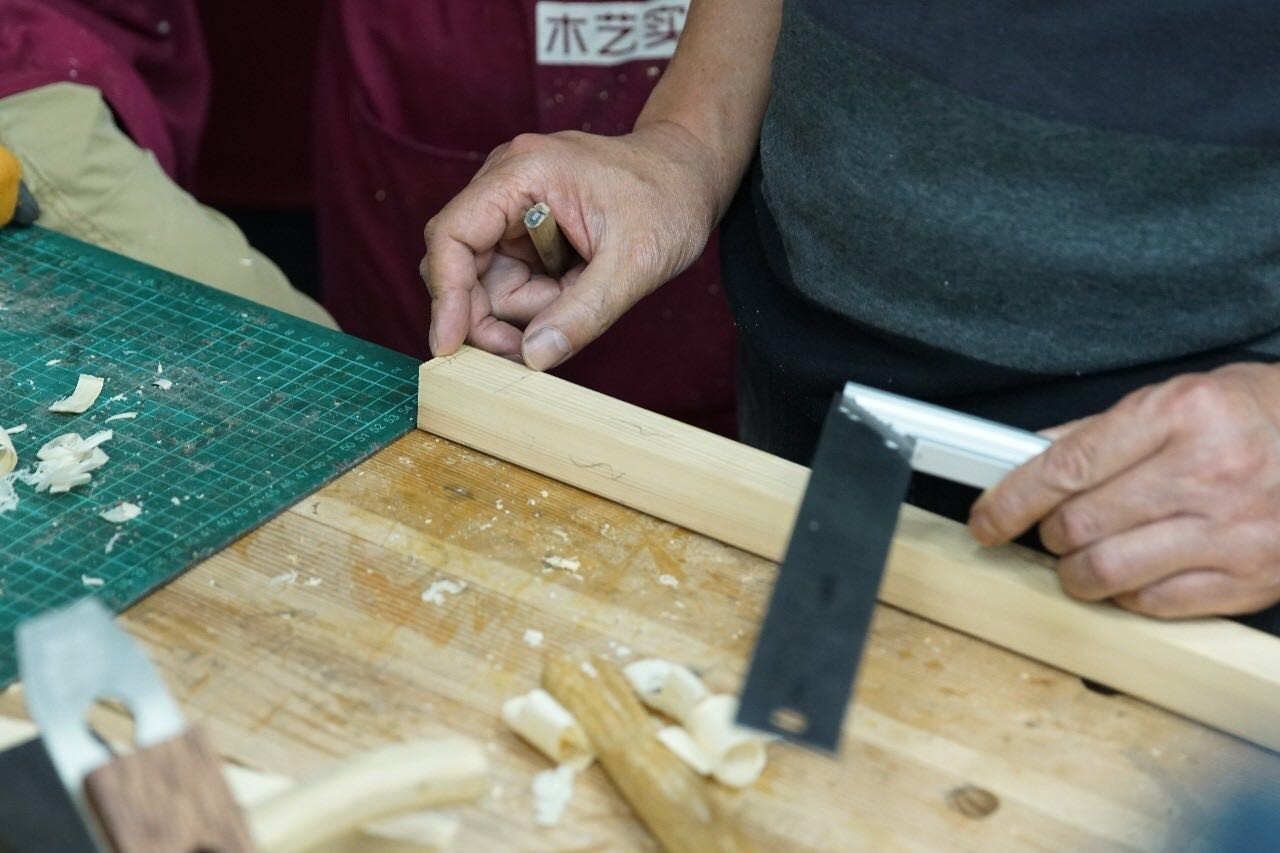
(972, 801)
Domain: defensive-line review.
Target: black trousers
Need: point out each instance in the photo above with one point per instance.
(795, 355)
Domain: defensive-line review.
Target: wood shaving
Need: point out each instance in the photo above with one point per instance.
(552, 791)
(14, 430)
(111, 543)
(68, 461)
(123, 416)
(567, 564)
(666, 687)
(8, 454)
(163, 384)
(91, 582)
(8, 496)
(283, 579)
(686, 749)
(738, 753)
(435, 593)
(547, 726)
(88, 388)
(53, 361)
(121, 512)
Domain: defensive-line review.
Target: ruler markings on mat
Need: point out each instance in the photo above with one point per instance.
(264, 409)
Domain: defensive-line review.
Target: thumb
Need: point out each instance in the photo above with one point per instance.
(580, 314)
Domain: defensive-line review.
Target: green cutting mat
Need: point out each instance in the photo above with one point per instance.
(264, 409)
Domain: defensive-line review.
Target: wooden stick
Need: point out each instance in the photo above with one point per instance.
(1217, 672)
(399, 778)
(673, 801)
(274, 806)
(553, 249)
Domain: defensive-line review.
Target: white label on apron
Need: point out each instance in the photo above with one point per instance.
(608, 33)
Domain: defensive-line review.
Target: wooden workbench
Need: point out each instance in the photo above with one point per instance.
(290, 672)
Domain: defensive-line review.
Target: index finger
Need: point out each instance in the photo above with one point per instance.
(460, 241)
(1097, 450)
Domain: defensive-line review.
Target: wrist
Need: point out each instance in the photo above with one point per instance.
(699, 172)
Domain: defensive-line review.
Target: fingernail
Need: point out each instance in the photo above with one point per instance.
(431, 340)
(546, 348)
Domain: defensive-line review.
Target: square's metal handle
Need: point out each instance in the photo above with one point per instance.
(949, 444)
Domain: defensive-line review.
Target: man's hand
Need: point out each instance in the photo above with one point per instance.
(1168, 504)
(637, 208)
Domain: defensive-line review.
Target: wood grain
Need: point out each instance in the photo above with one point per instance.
(288, 677)
(1212, 670)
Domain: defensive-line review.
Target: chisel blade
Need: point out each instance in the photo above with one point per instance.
(809, 647)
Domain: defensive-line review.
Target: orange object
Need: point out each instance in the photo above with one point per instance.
(10, 179)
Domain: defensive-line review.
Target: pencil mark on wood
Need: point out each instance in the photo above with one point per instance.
(603, 467)
(513, 383)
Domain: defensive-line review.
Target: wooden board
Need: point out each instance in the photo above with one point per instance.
(1212, 670)
(287, 675)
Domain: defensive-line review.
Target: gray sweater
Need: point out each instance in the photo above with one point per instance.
(1053, 246)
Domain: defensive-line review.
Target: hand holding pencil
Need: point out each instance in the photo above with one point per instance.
(612, 219)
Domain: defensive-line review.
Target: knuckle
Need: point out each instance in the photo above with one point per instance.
(1238, 460)
(1200, 399)
(525, 143)
(1107, 566)
(1067, 465)
(1095, 573)
(1076, 527)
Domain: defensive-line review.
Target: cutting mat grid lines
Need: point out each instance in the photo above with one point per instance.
(263, 409)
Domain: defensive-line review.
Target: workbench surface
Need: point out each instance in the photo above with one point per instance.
(309, 639)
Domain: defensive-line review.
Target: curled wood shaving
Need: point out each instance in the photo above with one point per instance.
(686, 749)
(737, 753)
(666, 687)
(435, 593)
(123, 416)
(68, 461)
(545, 724)
(88, 388)
(163, 384)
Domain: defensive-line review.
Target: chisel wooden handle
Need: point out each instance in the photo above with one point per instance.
(673, 801)
(167, 797)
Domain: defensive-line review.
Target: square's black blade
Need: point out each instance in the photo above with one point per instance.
(808, 650)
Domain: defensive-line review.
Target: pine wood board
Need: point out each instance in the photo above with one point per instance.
(1215, 671)
(287, 676)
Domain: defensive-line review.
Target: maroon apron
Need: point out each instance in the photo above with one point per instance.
(146, 56)
(411, 95)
